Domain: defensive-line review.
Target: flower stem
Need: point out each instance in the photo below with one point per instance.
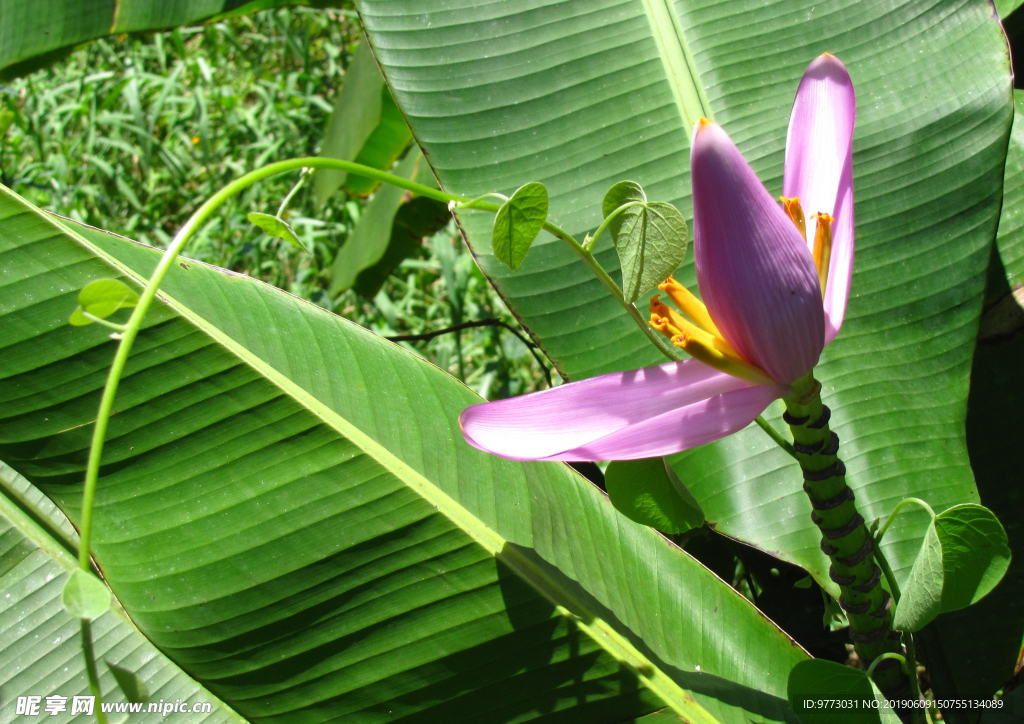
(894, 586)
(306, 173)
(846, 540)
(892, 516)
(776, 436)
(90, 670)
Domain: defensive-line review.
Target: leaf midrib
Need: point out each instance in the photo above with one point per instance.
(680, 69)
(565, 602)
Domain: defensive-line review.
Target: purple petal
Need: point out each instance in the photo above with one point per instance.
(755, 272)
(682, 428)
(819, 169)
(560, 423)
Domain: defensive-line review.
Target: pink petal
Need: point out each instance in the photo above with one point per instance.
(755, 272)
(819, 169)
(682, 428)
(569, 418)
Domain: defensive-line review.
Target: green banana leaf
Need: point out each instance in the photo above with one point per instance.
(36, 33)
(41, 642)
(580, 95)
(983, 642)
(287, 510)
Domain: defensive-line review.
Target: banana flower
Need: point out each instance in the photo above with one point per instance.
(774, 284)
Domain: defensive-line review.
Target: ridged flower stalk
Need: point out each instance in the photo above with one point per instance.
(845, 538)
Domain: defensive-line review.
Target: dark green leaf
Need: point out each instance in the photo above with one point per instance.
(518, 222)
(648, 492)
(823, 692)
(416, 219)
(369, 240)
(102, 298)
(650, 239)
(975, 554)
(276, 227)
(85, 596)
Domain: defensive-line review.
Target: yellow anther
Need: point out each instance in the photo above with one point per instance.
(713, 357)
(672, 324)
(675, 322)
(707, 345)
(822, 248)
(795, 212)
(689, 305)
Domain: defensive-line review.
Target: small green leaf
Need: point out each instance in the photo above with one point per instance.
(134, 688)
(921, 600)
(648, 492)
(85, 596)
(102, 298)
(650, 238)
(518, 222)
(824, 692)
(833, 618)
(804, 582)
(965, 553)
(276, 227)
(975, 554)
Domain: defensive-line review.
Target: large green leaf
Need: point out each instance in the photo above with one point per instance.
(985, 640)
(35, 33)
(41, 642)
(288, 510)
(581, 94)
(1010, 240)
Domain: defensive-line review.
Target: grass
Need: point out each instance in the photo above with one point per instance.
(132, 133)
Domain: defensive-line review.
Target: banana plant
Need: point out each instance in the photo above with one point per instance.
(291, 516)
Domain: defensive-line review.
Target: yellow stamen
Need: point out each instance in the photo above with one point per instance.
(700, 338)
(676, 324)
(689, 305)
(795, 212)
(823, 248)
(712, 357)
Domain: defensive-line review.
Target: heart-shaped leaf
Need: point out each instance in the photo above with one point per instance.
(922, 595)
(823, 692)
(650, 238)
(102, 298)
(964, 555)
(648, 492)
(276, 227)
(518, 222)
(975, 554)
(85, 596)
